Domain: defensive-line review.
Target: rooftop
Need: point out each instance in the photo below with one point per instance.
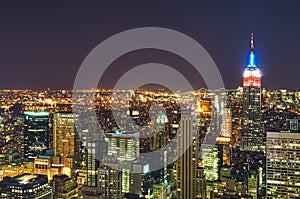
(25, 179)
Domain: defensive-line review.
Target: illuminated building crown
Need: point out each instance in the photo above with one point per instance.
(252, 74)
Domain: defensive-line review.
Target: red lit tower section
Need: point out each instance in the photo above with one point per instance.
(252, 77)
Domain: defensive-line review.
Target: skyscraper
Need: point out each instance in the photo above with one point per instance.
(125, 146)
(92, 164)
(187, 164)
(283, 165)
(110, 177)
(65, 139)
(211, 161)
(36, 133)
(252, 137)
(96, 150)
(64, 134)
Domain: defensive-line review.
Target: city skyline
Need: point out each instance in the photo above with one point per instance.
(43, 45)
(150, 100)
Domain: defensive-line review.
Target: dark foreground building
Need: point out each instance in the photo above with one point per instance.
(26, 186)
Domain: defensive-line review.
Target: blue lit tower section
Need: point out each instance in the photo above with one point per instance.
(36, 134)
(252, 136)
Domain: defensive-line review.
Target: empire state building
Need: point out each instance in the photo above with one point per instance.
(252, 136)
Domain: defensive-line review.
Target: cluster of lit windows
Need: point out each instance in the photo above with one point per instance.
(283, 165)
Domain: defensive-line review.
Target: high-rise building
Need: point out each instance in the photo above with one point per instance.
(283, 165)
(226, 123)
(161, 140)
(36, 134)
(200, 181)
(252, 138)
(96, 150)
(253, 184)
(140, 178)
(224, 140)
(124, 145)
(65, 139)
(109, 179)
(211, 161)
(92, 164)
(186, 165)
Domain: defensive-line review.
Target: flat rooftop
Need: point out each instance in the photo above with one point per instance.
(25, 179)
(121, 134)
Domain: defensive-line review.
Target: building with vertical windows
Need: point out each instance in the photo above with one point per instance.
(200, 181)
(252, 138)
(92, 164)
(64, 134)
(211, 161)
(161, 137)
(36, 134)
(63, 187)
(161, 141)
(159, 191)
(253, 184)
(283, 165)
(224, 140)
(124, 145)
(226, 123)
(186, 166)
(96, 179)
(110, 177)
(140, 178)
(96, 150)
(65, 139)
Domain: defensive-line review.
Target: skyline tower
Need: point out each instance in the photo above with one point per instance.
(36, 133)
(189, 174)
(252, 137)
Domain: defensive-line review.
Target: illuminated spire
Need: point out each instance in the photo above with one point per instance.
(252, 42)
(252, 60)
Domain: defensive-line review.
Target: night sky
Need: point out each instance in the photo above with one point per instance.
(42, 44)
